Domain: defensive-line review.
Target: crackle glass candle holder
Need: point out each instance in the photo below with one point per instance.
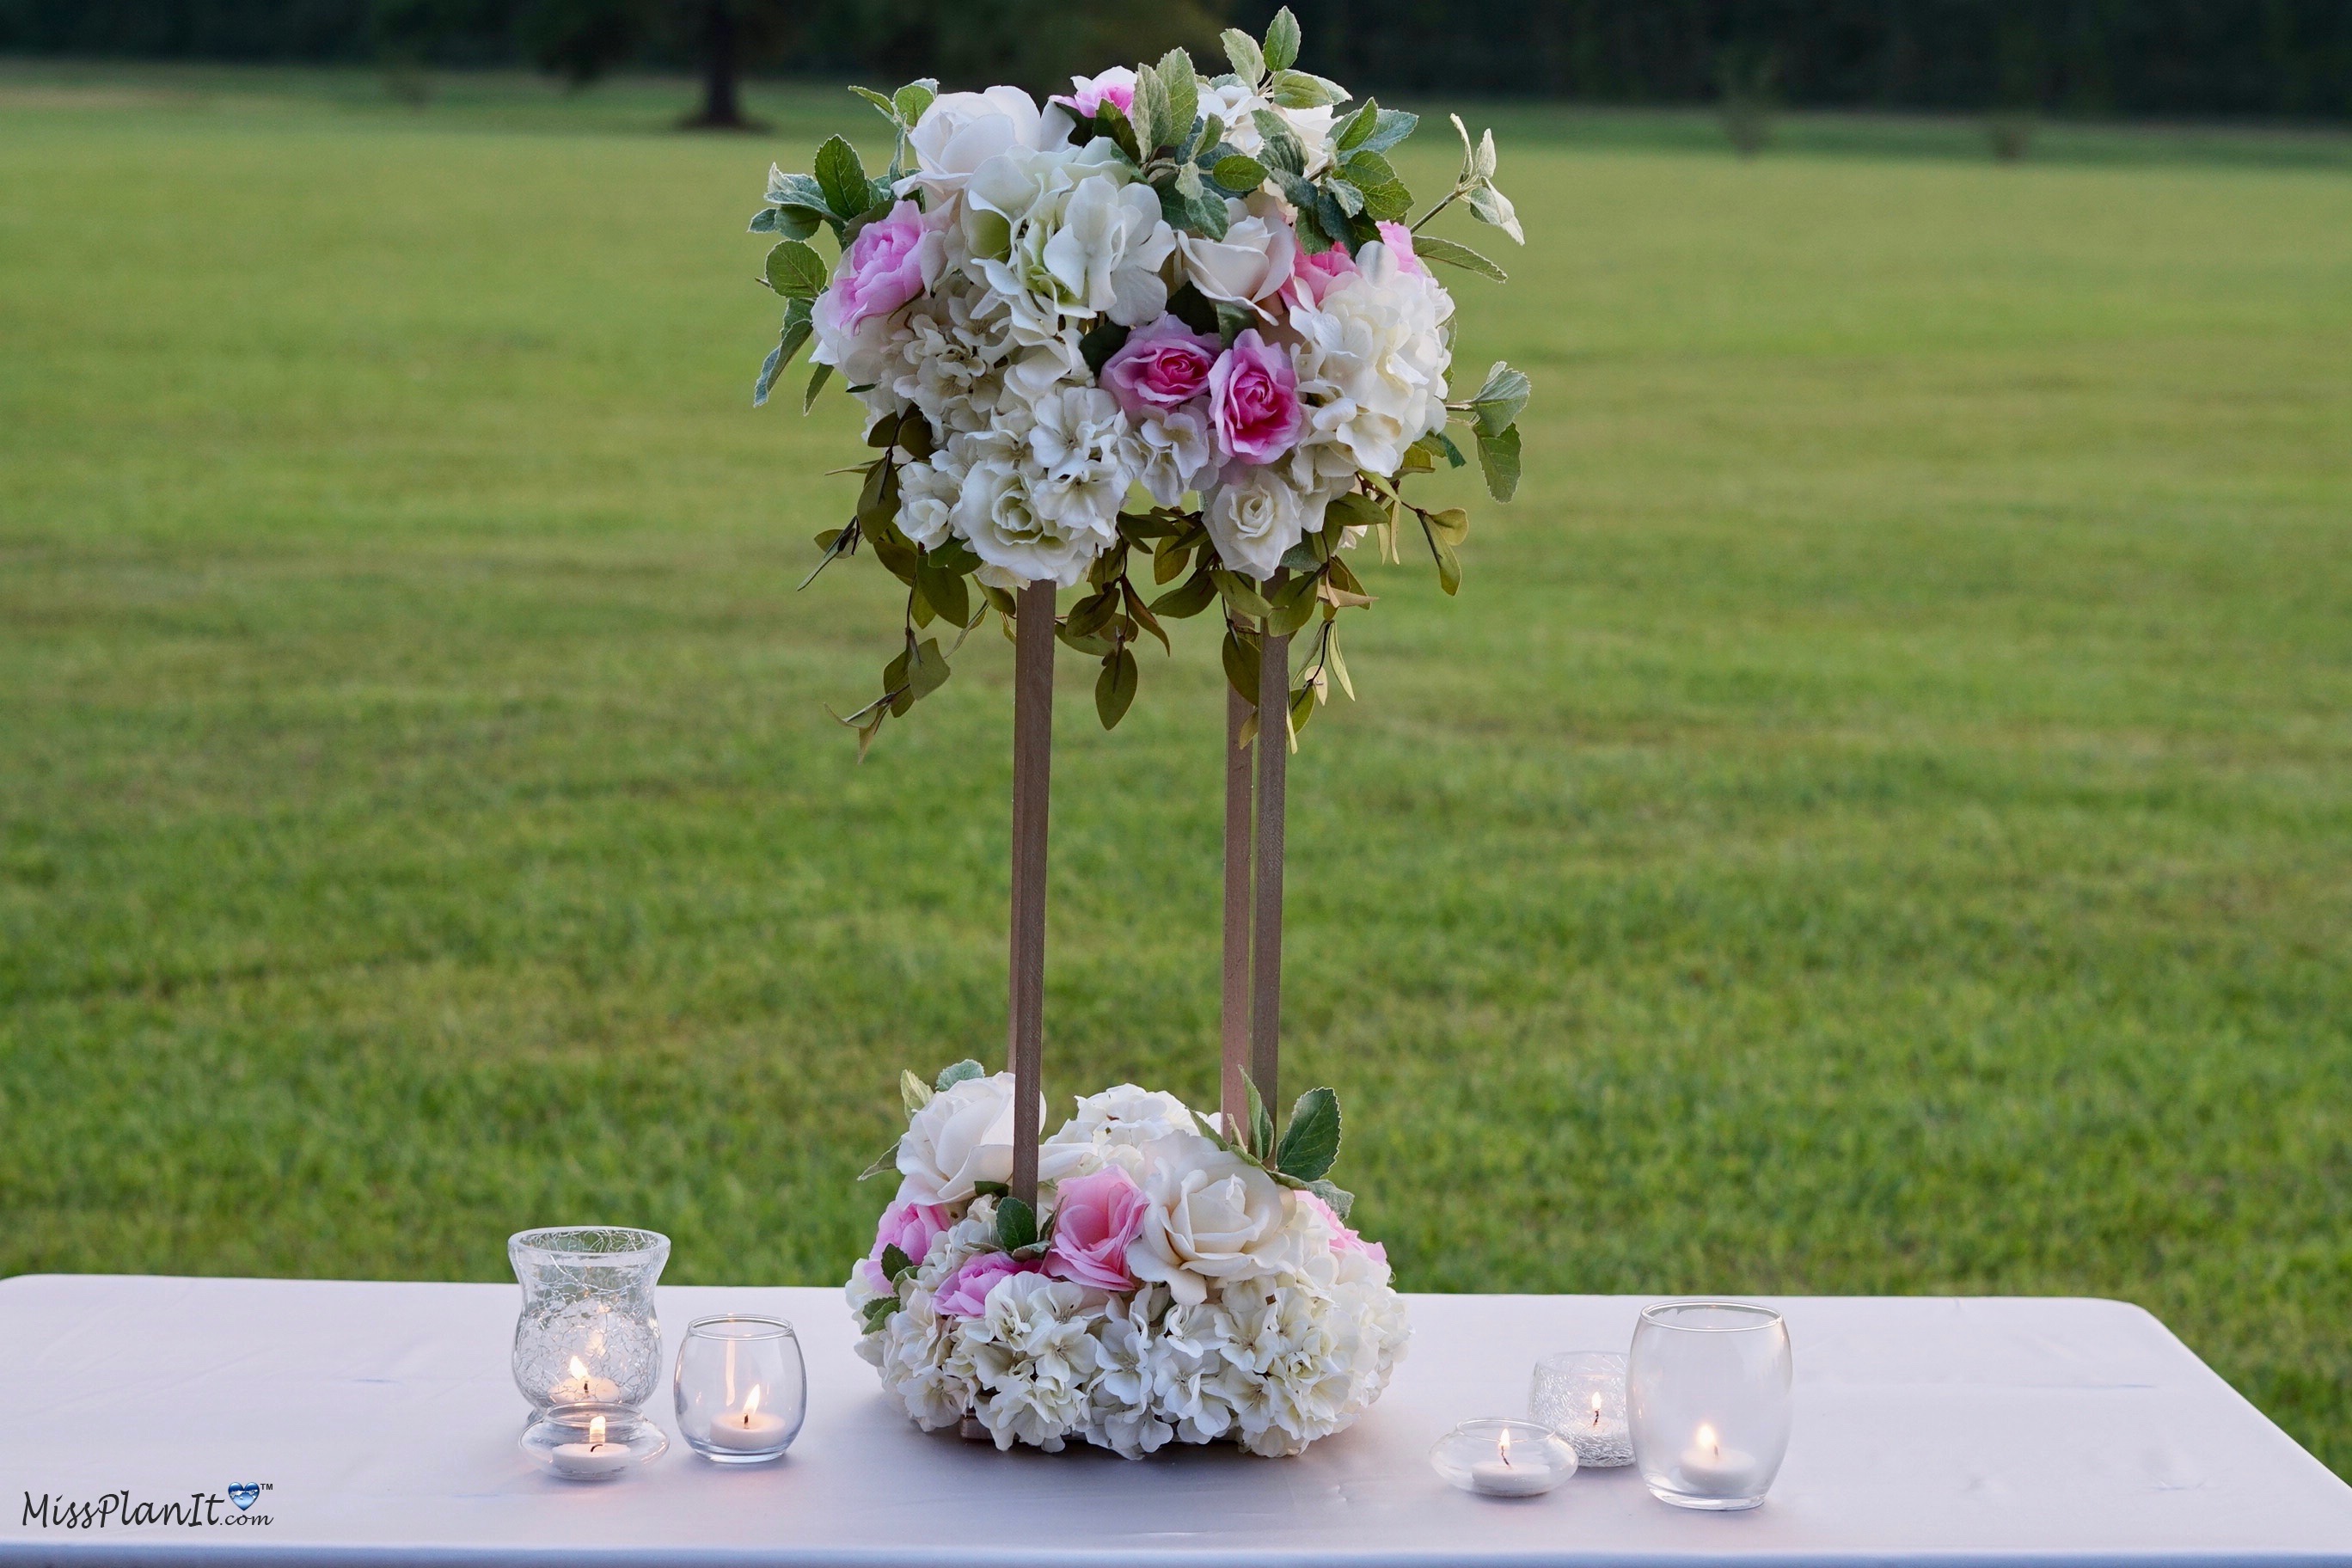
(1581, 1395)
(742, 1389)
(1709, 1397)
(587, 1337)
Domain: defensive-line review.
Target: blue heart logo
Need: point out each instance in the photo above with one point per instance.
(244, 1494)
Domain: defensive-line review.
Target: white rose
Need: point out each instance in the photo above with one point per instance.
(961, 130)
(1252, 263)
(1255, 515)
(1213, 1216)
(1065, 234)
(961, 1138)
(1010, 526)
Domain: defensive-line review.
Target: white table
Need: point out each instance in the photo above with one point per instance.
(383, 1420)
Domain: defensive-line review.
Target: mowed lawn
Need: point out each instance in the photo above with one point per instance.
(1878, 819)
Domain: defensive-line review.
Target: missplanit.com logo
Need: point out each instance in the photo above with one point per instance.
(235, 1506)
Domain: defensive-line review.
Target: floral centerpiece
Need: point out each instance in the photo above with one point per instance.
(1206, 292)
(1192, 323)
(1170, 1285)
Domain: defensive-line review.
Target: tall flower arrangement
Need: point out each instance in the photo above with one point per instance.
(1170, 1285)
(1158, 318)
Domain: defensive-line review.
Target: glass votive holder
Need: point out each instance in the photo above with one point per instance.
(587, 1335)
(742, 1391)
(1495, 1457)
(1581, 1395)
(1708, 1394)
(591, 1443)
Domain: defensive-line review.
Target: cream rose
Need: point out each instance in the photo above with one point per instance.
(1213, 1216)
(962, 1138)
(961, 130)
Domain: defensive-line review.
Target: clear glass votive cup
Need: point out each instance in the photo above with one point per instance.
(587, 1337)
(1496, 1458)
(1708, 1401)
(1581, 1395)
(742, 1391)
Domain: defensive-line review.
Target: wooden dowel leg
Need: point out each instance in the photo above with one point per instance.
(1033, 758)
(1233, 1083)
(1266, 935)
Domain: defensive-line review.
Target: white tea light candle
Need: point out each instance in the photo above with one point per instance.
(1706, 1466)
(1503, 1459)
(748, 1430)
(594, 1460)
(580, 1388)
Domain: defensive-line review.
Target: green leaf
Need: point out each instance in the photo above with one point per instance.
(913, 1092)
(1248, 59)
(1438, 442)
(1498, 458)
(816, 385)
(1350, 199)
(926, 671)
(1115, 687)
(1340, 1200)
(1304, 90)
(795, 270)
(991, 1189)
(878, 1312)
(1282, 149)
(1184, 89)
(1491, 206)
(1123, 130)
(765, 220)
(1017, 1223)
(1198, 593)
(911, 99)
(1261, 1120)
(1242, 595)
(1310, 1145)
(946, 592)
(895, 1262)
(1240, 659)
(1349, 132)
(1429, 248)
(1389, 202)
(1369, 169)
(1090, 615)
(1281, 41)
(1239, 174)
(1354, 510)
(841, 177)
(1498, 401)
(1440, 547)
(796, 331)
(1392, 126)
(960, 1072)
(1151, 114)
(793, 190)
(889, 109)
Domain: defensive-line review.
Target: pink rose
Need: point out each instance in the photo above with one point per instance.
(889, 263)
(1098, 1217)
(1342, 1239)
(1116, 85)
(964, 1293)
(1399, 239)
(1254, 409)
(1317, 273)
(911, 1228)
(1159, 367)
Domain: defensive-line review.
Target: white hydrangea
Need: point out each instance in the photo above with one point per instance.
(1062, 235)
(1034, 1354)
(1371, 360)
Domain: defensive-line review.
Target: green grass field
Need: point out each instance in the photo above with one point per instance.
(1878, 818)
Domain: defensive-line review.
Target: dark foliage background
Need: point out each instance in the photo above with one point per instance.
(2273, 58)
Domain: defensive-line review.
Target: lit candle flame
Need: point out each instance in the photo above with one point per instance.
(596, 1432)
(1502, 1447)
(1596, 1407)
(1709, 1441)
(751, 1405)
(580, 1370)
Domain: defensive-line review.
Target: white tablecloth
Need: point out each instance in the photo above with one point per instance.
(382, 1421)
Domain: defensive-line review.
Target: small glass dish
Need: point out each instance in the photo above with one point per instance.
(741, 1388)
(1708, 1391)
(1496, 1458)
(591, 1442)
(1581, 1395)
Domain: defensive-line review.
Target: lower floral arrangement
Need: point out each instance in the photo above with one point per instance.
(1177, 1281)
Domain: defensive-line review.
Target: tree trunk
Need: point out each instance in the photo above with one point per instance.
(722, 105)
